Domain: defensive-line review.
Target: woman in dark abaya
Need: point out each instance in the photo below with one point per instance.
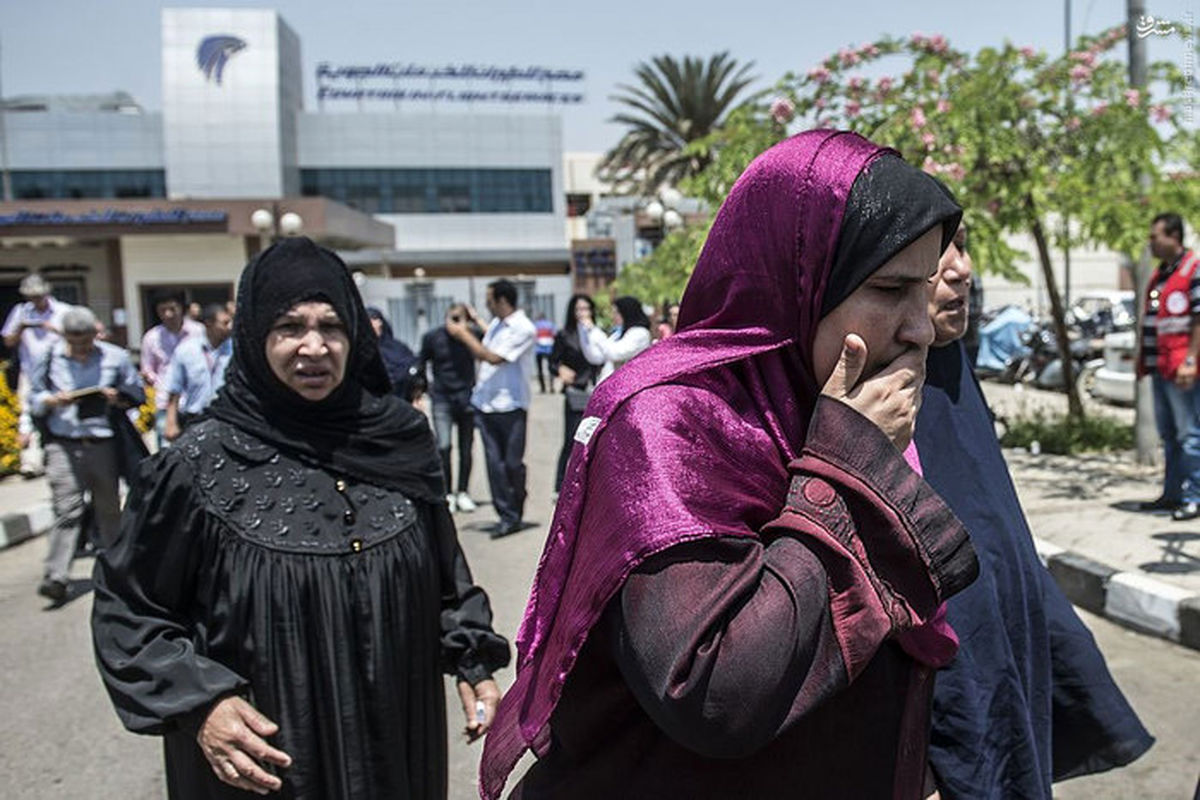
(577, 374)
(1029, 699)
(398, 358)
(740, 591)
(287, 587)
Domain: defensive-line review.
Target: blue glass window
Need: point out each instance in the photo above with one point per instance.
(30, 184)
(434, 191)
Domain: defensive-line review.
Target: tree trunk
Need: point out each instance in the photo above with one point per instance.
(1057, 312)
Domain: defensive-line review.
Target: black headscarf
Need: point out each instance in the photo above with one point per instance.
(632, 315)
(398, 358)
(360, 429)
(891, 205)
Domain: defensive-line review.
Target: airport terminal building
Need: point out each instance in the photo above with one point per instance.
(426, 201)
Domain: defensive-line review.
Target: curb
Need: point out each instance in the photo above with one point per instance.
(21, 526)
(1127, 598)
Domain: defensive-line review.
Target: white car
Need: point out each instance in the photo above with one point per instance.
(1115, 380)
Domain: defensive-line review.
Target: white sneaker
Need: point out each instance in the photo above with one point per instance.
(465, 503)
(450, 501)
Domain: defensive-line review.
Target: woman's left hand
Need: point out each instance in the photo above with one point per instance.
(479, 706)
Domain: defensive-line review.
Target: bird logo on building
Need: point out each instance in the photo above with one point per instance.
(214, 52)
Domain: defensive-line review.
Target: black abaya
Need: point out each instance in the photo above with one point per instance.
(332, 604)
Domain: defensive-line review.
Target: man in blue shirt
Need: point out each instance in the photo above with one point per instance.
(197, 370)
(72, 391)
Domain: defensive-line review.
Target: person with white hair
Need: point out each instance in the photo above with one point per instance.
(32, 326)
(73, 392)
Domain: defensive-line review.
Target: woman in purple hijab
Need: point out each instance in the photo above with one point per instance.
(740, 594)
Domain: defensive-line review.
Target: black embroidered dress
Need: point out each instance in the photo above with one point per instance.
(317, 596)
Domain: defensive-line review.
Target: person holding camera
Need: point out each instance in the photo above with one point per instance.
(453, 367)
(501, 396)
(32, 327)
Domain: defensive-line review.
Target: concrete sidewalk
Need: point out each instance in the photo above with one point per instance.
(1139, 569)
(1142, 570)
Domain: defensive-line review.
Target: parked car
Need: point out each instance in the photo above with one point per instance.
(1115, 380)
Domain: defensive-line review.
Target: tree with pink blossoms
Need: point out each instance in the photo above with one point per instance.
(1021, 138)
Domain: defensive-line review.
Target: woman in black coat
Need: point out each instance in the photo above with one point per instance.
(577, 374)
(287, 586)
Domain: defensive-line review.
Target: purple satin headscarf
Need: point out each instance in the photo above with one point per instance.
(746, 327)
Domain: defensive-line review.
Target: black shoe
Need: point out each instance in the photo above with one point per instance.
(52, 590)
(1160, 503)
(1186, 511)
(506, 529)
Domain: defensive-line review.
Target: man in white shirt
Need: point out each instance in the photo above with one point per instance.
(35, 325)
(501, 398)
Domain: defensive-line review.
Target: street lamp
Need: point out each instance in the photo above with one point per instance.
(269, 222)
(663, 210)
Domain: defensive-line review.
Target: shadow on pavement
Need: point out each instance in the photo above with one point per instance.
(1174, 560)
(76, 588)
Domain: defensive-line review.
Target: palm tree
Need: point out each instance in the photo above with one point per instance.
(676, 103)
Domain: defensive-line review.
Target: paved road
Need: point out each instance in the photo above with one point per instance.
(60, 738)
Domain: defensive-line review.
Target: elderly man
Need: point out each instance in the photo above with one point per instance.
(33, 327)
(74, 392)
(1028, 700)
(197, 370)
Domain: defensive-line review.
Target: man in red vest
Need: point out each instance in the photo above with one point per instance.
(1169, 350)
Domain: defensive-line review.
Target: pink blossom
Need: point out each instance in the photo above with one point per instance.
(932, 76)
(885, 85)
(918, 118)
(994, 206)
(1161, 113)
(1087, 57)
(820, 103)
(825, 122)
(848, 57)
(868, 50)
(956, 171)
(853, 108)
(818, 74)
(943, 106)
(782, 110)
(930, 166)
(1079, 73)
(918, 39)
(938, 44)
(1133, 98)
(1028, 51)
(1099, 109)
(1074, 123)
(929, 140)
(857, 83)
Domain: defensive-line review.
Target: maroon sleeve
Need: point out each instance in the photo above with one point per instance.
(727, 641)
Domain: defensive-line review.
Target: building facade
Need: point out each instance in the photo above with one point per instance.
(111, 202)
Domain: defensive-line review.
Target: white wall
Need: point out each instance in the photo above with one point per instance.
(1091, 271)
(448, 140)
(184, 259)
(226, 139)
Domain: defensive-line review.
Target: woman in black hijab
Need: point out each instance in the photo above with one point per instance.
(577, 374)
(287, 587)
(398, 358)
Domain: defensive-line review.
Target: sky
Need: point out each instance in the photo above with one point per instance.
(94, 46)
